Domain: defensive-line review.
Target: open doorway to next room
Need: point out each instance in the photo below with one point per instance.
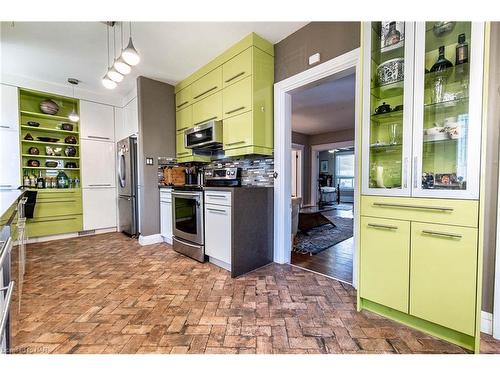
(323, 176)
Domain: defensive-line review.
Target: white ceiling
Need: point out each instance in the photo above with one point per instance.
(170, 51)
(324, 107)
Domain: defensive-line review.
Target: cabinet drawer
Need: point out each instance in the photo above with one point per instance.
(183, 98)
(208, 109)
(237, 68)
(218, 197)
(54, 225)
(58, 194)
(218, 232)
(443, 275)
(207, 85)
(443, 211)
(165, 195)
(237, 98)
(238, 131)
(49, 207)
(180, 150)
(385, 262)
(184, 119)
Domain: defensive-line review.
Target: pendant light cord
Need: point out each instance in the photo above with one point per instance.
(114, 43)
(107, 39)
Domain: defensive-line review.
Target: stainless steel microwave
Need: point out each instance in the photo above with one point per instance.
(207, 136)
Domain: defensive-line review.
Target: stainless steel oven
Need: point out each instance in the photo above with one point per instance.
(207, 136)
(187, 219)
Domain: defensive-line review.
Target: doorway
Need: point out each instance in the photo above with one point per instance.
(332, 70)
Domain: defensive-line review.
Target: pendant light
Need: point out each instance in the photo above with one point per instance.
(120, 65)
(130, 54)
(106, 81)
(114, 74)
(73, 116)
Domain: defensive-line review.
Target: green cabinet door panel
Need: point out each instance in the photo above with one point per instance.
(46, 226)
(58, 206)
(384, 261)
(237, 68)
(207, 85)
(180, 150)
(443, 275)
(184, 119)
(208, 109)
(183, 98)
(237, 98)
(238, 131)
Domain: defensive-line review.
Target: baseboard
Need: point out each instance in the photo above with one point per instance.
(220, 263)
(487, 322)
(150, 240)
(167, 239)
(64, 236)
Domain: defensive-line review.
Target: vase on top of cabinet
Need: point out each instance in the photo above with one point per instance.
(421, 153)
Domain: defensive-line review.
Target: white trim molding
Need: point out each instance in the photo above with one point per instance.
(486, 322)
(150, 240)
(338, 67)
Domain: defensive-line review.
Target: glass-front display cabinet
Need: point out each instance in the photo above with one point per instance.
(422, 108)
(387, 107)
(447, 109)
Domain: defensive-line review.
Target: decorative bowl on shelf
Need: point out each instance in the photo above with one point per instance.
(391, 71)
(49, 107)
(442, 28)
(71, 139)
(47, 139)
(33, 151)
(70, 151)
(66, 126)
(33, 163)
(56, 151)
(51, 164)
(70, 164)
(33, 123)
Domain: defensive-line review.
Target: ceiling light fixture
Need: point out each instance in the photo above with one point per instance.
(120, 65)
(130, 54)
(106, 81)
(73, 116)
(112, 72)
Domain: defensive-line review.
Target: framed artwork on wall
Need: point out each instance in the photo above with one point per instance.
(323, 166)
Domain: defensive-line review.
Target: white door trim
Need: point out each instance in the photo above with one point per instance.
(496, 286)
(340, 66)
(314, 164)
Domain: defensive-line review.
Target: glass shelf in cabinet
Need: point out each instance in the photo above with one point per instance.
(446, 105)
(388, 116)
(456, 73)
(385, 147)
(433, 42)
(388, 90)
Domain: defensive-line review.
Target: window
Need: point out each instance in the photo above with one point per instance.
(344, 170)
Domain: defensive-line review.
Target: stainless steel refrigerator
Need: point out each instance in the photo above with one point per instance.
(128, 214)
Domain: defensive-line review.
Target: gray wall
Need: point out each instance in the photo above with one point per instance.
(491, 177)
(317, 139)
(156, 103)
(330, 39)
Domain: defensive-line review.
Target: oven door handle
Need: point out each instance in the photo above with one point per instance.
(179, 194)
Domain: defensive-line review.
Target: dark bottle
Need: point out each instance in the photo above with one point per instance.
(462, 51)
(393, 35)
(442, 63)
(40, 182)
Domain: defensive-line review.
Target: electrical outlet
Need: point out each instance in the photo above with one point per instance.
(149, 161)
(313, 59)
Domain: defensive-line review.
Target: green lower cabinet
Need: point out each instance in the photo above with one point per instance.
(443, 275)
(47, 226)
(384, 262)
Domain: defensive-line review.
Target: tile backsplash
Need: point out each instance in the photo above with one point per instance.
(255, 170)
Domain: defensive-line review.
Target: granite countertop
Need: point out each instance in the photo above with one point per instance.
(8, 198)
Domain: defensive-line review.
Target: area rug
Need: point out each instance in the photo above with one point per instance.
(325, 236)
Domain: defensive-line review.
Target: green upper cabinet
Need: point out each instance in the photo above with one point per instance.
(184, 119)
(237, 88)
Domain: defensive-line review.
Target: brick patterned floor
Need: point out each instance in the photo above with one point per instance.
(107, 294)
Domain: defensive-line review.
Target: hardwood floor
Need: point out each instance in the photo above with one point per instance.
(108, 294)
(336, 261)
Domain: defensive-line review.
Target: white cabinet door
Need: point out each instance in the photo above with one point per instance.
(218, 232)
(166, 220)
(131, 119)
(97, 163)
(9, 160)
(97, 121)
(99, 208)
(120, 131)
(9, 107)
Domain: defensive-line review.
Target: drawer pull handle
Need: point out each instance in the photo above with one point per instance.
(207, 120)
(181, 129)
(235, 110)
(2, 186)
(398, 205)
(235, 143)
(216, 196)
(383, 226)
(234, 77)
(58, 201)
(4, 127)
(97, 137)
(184, 103)
(441, 234)
(183, 153)
(99, 184)
(205, 92)
(51, 220)
(216, 210)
